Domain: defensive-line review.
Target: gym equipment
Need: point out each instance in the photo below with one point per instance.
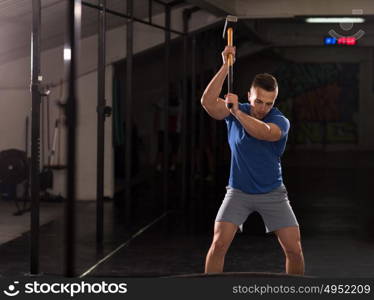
(14, 171)
(13, 166)
(54, 156)
(46, 174)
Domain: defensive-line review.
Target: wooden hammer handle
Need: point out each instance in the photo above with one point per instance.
(230, 43)
(231, 62)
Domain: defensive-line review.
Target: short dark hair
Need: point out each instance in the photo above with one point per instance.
(265, 81)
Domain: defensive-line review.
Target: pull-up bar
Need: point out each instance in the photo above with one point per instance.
(122, 15)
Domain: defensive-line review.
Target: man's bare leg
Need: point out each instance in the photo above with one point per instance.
(289, 239)
(224, 233)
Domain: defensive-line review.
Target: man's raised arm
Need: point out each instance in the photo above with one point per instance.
(215, 106)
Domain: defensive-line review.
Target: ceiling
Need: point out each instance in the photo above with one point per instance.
(16, 17)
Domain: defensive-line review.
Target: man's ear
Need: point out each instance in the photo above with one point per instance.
(251, 94)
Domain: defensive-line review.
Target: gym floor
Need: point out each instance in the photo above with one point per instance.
(331, 203)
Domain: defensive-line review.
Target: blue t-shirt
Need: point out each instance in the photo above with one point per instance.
(255, 164)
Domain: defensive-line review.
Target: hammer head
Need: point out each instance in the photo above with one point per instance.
(230, 22)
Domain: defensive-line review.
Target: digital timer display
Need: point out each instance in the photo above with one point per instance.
(345, 40)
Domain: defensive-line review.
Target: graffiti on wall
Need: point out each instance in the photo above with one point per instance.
(321, 101)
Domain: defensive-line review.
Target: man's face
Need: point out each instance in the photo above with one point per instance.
(261, 101)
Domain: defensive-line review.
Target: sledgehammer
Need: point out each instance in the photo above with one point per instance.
(229, 27)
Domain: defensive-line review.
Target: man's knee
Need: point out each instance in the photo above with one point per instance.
(219, 247)
(294, 251)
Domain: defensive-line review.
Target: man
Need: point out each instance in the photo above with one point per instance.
(257, 135)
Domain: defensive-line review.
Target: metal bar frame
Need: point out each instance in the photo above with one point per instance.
(35, 136)
(175, 3)
(74, 13)
(122, 15)
(165, 108)
(193, 119)
(186, 18)
(128, 108)
(160, 2)
(201, 125)
(150, 10)
(100, 124)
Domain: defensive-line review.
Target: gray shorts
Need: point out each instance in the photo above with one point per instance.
(274, 208)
